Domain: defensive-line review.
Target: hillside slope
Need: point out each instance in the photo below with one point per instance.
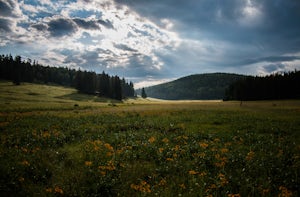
(194, 87)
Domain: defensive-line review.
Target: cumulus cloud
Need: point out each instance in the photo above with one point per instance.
(5, 25)
(86, 24)
(7, 8)
(106, 23)
(61, 27)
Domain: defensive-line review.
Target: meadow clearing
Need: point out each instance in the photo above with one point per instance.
(56, 142)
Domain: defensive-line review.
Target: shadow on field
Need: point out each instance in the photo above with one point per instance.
(85, 97)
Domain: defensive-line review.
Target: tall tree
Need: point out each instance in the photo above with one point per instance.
(144, 95)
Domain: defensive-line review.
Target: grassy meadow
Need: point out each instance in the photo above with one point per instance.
(57, 142)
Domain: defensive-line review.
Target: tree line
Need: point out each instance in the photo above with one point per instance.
(276, 86)
(88, 82)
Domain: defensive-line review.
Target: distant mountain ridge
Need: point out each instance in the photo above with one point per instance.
(210, 86)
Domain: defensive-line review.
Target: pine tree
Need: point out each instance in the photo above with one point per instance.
(144, 95)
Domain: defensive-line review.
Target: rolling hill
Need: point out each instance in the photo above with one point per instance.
(209, 86)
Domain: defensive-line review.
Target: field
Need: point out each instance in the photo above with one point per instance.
(56, 142)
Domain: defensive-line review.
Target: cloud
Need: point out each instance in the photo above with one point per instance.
(270, 59)
(40, 27)
(86, 24)
(61, 27)
(7, 8)
(5, 25)
(271, 68)
(106, 23)
(125, 47)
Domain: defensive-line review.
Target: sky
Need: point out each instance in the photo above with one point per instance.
(154, 41)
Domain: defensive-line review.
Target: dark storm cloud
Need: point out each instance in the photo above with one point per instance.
(40, 27)
(5, 25)
(86, 24)
(61, 27)
(106, 23)
(6, 8)
(277, 29)
(125, 47)
(270, 59)
(274, 67)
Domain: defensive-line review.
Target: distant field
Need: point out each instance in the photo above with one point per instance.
(56, 142)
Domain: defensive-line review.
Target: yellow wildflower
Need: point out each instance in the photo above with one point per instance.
(234, 195)
(250, 156)
(21, 179)
(162, 182)
(176, 148)
(161, 150)
(224, 150)
(202, 174)
(109, 147)
(182, 186)
(284, 192)
(46, 134)
(103, 173)
(25, 163)
(265, 192)
(193, 172)
(203, 145)
(151, 139)
(165, 140)
(58, 190)
(142, 187)
(169, 159)
(223, 179)
(88, 163)
(48, 190)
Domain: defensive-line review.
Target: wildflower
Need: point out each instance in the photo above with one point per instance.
(193, 172)
(169, 159)
(265, 191)
(58, 190)
(280, 153)
(182, 186)
(109, 147)
(250, 156)
(224, 150)
(162, 182)
(46, 134)
(151, 139)
(176, 148)
(160, 150)
(48, 190)
(165, 140)
(25, 150)
(284, 192)
(142, 187)
(223, 179)
(103, 173)
(203, 145)
(234, 195)
(88, 163)
(25, 163)
(21, 179)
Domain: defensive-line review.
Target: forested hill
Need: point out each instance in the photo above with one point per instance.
(18, 71)
(194, 87)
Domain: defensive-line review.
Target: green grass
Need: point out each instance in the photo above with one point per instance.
(145, 147)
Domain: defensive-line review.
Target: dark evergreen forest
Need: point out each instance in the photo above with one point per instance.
(275, 86)
(87, 82)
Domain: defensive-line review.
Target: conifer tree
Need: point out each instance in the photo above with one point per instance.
(144, 95)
